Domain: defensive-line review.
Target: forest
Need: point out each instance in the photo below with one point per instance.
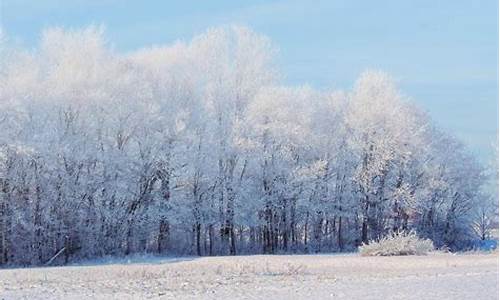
(200, 148)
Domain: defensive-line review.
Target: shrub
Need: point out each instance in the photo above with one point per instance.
(397, 243)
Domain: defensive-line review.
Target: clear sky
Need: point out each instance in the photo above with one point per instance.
(444, 54)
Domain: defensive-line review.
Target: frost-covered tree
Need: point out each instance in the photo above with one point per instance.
(199, 148)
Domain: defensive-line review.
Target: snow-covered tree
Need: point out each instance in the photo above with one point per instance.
(199, 148)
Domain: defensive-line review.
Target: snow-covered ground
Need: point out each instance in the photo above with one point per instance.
(436, 276)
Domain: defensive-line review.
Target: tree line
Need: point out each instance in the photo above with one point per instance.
(199, 148)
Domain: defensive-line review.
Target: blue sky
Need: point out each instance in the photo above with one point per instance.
(444, 54)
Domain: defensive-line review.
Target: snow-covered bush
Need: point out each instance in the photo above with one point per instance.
(397, 243)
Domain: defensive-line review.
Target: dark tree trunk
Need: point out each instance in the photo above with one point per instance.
(364, 231)
(339, 236)
(163, 234)
(306, 229)
(198, 238)
(210, 240)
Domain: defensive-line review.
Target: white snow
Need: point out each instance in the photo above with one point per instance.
(436, 276)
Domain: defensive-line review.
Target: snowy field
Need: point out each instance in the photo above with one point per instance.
(437, 276)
